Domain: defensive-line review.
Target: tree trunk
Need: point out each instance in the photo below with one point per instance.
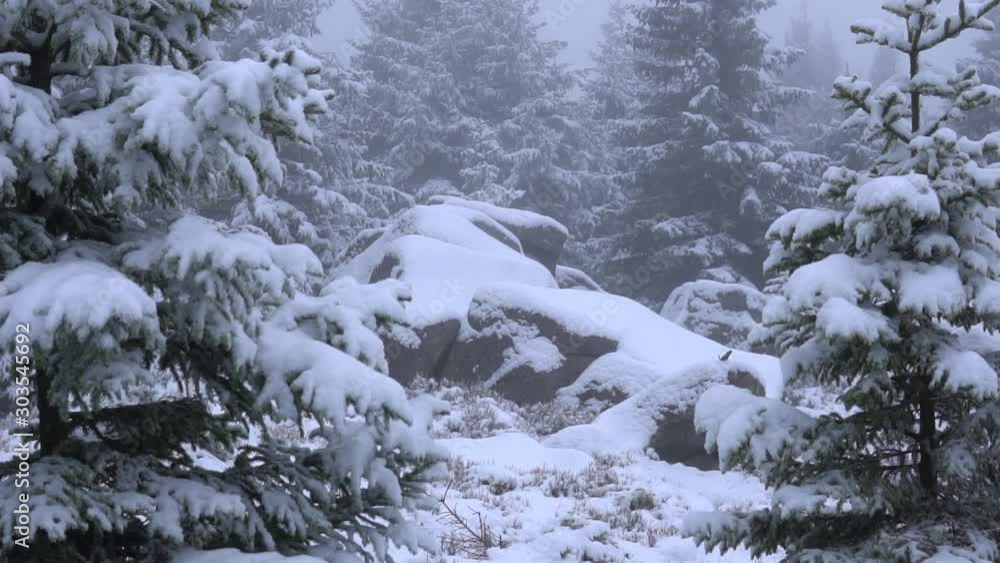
(51, 427)
(41, 66)
(914, 70)
(927, 440)
(52, 430)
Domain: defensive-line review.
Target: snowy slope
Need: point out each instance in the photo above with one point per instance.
(591, 491)
(543, 503)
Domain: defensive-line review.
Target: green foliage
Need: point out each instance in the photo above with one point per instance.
(165, 346)
(703, 172)
(466, 99)
(887, 286)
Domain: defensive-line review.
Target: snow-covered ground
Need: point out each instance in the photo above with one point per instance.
(567, 478)
(541, 503)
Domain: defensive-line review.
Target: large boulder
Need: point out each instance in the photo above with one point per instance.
(542, 238)
(444, 253)
(728, 312)
(486, 310)
(530, 343)
(661, 416)
(420, 352)
(525, 355)
(676, 440)
(611, 380)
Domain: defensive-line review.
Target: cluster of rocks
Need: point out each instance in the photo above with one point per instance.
(492, 306)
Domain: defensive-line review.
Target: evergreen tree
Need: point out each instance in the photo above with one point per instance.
(613, 91)
(466, 99)
(813, 123)
(705, 175)
(613, 85)
(414, 116)
(882, 284)
(264, 21)
(163, 350)
(546, 154)
(834, 63)
(331, 192)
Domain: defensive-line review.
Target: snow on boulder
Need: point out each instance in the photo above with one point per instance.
(444, 253)
(525, 354)
(612, 379)
(571, 278)
(727, 313)
(639, 332)
(662, 416)
(530, 342)
(542, 238)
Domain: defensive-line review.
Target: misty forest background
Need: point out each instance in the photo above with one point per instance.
(483, 106)
(470, 107)
(441, 296)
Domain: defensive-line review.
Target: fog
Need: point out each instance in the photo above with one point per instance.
(578, 24)
(841, 14)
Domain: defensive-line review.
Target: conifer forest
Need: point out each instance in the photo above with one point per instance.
(515, 281)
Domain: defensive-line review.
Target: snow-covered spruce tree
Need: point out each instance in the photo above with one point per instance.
(330, 192)
(883, 284)
(613, 85)
(540, 152)
(466, 99)
(813, 123)
(413, 115)
(162, 356)
(612, 93)
(263, 21)
(706, 174)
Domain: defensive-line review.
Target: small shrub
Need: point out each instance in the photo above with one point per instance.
(545, 419)
(642, 500)
(561, 484)
(502, 486)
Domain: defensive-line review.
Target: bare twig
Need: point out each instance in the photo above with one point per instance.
(473, 540)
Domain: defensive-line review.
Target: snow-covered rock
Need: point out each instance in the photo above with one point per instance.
(571, 278)
(542, 238)
(639, 332)
(525, 353)
(483, 312)
(612, 379)
(444, 253)
(722, 307)
(530, 342)
(661, 416)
